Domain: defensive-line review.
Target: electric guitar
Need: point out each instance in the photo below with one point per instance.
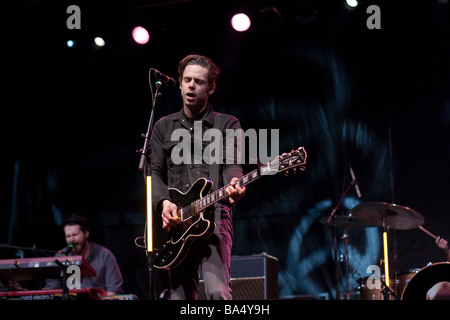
(196, 205)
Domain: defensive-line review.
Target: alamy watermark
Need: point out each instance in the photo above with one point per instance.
(74, 20)
(73, 277)
(374, 20)
(214, 147)
(374, 280)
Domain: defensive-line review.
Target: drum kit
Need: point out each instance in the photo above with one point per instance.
(418, 284)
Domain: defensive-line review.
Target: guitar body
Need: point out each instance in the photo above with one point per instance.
(196, 226)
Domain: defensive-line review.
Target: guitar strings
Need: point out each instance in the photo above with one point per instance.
(187, 211)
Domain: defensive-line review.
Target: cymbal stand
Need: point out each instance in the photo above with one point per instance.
(388, 291)
(332, 218)
(346, 238)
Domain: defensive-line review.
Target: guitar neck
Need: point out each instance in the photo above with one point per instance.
(220, 194)
(281, 163)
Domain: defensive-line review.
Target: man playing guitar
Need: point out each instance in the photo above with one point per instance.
(197, 78)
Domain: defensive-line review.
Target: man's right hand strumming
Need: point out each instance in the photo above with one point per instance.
(169, 214)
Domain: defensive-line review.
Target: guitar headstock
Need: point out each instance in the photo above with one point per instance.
(291, 160)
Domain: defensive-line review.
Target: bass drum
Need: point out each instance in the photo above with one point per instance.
(425, 279)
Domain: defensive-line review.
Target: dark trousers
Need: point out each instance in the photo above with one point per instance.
(212, 255)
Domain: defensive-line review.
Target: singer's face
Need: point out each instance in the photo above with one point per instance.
(195, 88)
(74, 233)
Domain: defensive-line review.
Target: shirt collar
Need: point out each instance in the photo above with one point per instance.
(206, 116)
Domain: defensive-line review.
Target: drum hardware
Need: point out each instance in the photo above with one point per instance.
(381, 292)
(388, 216)
(388, 291)
(335, 221)
(346, 222)
(346, 238)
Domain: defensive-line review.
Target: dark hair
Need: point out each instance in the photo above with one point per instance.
(76, 218)
(205, 62)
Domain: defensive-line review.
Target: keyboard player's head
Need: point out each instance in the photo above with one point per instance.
(76, 231)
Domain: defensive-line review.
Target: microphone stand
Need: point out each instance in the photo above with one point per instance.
(34, 249)
(65, 288)
(145, 166)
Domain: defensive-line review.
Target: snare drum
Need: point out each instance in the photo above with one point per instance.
(425, 279)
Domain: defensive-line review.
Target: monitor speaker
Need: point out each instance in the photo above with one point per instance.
(253, 277)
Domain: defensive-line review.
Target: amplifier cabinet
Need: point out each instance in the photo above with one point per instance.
(253, 277)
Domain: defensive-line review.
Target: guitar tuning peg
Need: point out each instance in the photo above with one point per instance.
(294, 170)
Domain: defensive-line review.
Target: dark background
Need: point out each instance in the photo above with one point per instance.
(376, 99)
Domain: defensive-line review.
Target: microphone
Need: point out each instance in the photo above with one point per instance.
(170, 82)
(69, 248)
(358, 192)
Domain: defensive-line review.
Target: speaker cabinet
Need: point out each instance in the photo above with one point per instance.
(253, 277)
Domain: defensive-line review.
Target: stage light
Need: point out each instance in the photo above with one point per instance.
(352, 3)
(140, 35)
(240, 22)
(70, 43)
(99, 42)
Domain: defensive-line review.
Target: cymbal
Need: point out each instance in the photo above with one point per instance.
(345, 222)
(392, 216)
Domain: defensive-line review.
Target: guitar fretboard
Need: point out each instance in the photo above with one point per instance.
(220, 194)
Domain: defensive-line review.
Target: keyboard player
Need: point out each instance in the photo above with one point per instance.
(108, 276)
